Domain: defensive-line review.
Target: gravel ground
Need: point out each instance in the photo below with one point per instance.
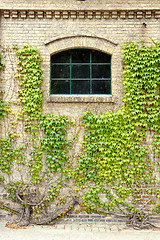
(75, 232)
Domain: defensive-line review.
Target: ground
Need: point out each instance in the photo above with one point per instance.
(75, 232)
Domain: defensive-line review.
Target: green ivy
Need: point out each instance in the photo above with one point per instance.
(54, 142)
(116, 161)
(6, 154)
(9, 154)
(1, 64)
(30, 95)
(3, 108)
(115, 151)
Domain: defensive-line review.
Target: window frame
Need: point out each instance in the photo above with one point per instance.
(90, 79)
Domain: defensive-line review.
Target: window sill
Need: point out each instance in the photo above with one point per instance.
(82, 98)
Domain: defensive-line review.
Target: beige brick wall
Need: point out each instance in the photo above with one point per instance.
(75, 4)
(95, 30)
(55, 26)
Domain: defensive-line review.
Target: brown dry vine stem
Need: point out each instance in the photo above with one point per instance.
(7, 207)
(39, 202)
(28, 203)
(26, 214)
(138, 224)
(57, 213)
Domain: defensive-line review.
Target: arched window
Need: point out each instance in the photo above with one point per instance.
(81, 71)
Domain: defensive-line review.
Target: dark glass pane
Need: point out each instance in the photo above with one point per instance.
(100, 57)
(60, 87)
(80, 56)
(101, 87)
(101, 71)
(80, 87)
(62, 57)
(80, 71)
(60, 71)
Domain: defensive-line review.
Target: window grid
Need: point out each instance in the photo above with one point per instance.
(90, 64)
(90, 72)
(70, 73)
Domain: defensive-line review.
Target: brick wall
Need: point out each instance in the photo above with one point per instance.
(75, 4)
(99, 31)
(61, 25)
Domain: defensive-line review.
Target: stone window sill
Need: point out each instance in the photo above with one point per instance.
(82, 98)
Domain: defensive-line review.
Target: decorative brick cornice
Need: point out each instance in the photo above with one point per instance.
(79, 14)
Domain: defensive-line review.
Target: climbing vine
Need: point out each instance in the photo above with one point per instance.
(117, 168)
(2, 103)
(54, 142)
(30, 74)
(116, 152)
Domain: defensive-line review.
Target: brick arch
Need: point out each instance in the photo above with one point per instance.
(64, 43)
(91, 42)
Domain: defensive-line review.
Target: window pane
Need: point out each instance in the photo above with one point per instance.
(62, 57)
(101, 71)
(60, 71)
(80, 68)
(100, 57)
(60, 87)
(80, 56)
(101, 87)
(80, 87)
(80, 71)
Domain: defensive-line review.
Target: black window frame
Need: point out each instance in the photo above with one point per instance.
(91, 64)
